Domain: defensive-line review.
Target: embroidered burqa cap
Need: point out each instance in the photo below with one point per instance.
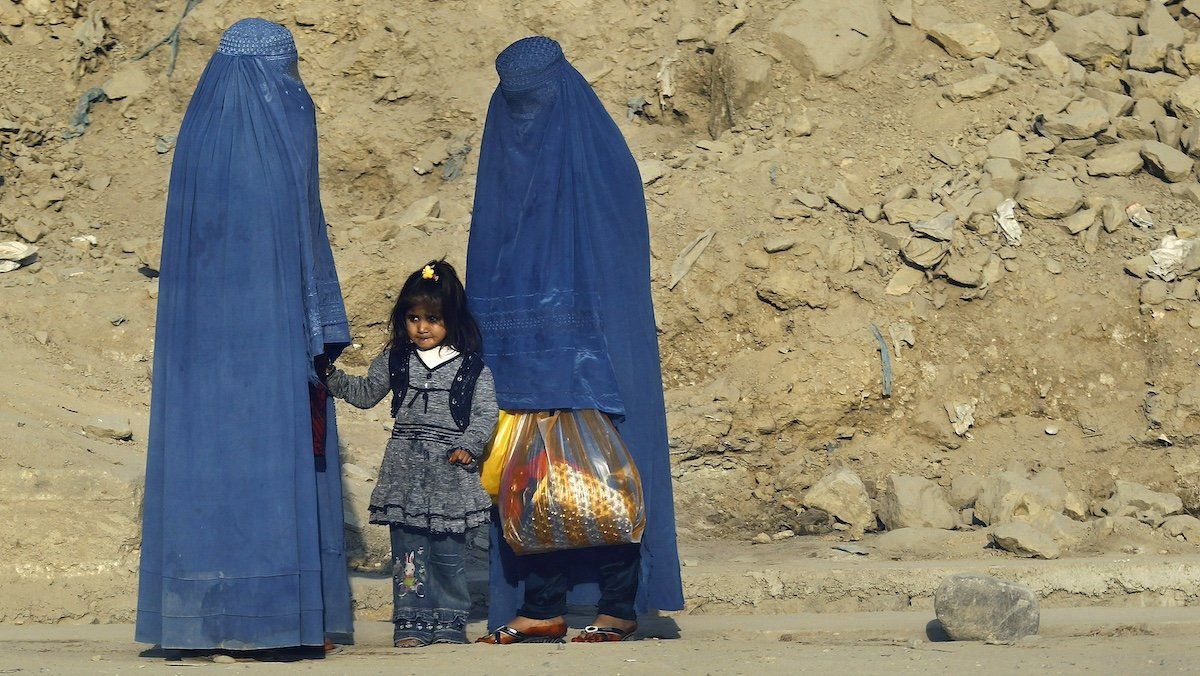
(558, 275)
(242, 525)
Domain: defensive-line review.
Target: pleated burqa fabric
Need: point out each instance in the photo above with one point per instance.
(558, 275)
(242, 527)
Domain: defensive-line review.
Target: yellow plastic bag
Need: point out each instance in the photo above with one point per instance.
(497, 453)
(569, 482)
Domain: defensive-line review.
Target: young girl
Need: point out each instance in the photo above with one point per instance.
(428, 492)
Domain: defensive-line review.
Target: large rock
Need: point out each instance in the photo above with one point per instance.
(973, 607)
(1023, 539)
(1156, 21)
(911, 210)
(1081, 119)
(1009, 495)
(1185, 101)
(842, 494)
(1157, 86)
(828, 39)
(1090, 38)
(1117, 159)
(1046, 197)
(966, 40)
(1167, 163)
(915, 502)
(1145, 505)
(1148, 53)
(1006, 146)
(1055, 62)
(1183, 525)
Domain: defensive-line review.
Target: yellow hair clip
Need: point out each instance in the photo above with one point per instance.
(427, 273)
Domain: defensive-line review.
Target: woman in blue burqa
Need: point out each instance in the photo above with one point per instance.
(242, 527)
(558, 275)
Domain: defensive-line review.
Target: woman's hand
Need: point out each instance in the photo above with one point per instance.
(461, 457)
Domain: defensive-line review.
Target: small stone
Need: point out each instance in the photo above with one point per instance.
(110, 427)
(810, 200)
(965, 40)
(973, 607)
(1047, 56)
(845, 198)
(947, 155)
(1003, 176)
(46, 197)
(762, 539)
(1166, 162)
(779, 244)
(783, 535)
(976, 87)
(99, 183)
(1139, 266)
(652, 170)
(799, 125)
(1154, 292)
(1052, 430)
(42, 337)
(1078, 222)
(1024, 540)
(28, 230)
(791, 289)
(224, 659)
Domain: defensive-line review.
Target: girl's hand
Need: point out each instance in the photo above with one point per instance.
(461, 457)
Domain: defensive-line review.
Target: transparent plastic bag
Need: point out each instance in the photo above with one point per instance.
(569, 483)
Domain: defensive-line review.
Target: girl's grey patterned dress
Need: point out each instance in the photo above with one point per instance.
(428, 502)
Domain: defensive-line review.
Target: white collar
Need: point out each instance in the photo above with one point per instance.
(436, 356)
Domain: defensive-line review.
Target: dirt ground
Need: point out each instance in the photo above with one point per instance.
(107, 651)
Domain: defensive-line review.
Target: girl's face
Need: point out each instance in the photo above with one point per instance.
(425, 326)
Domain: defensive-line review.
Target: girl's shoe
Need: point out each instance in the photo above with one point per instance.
(506, 635)
(410, 642)
(604, 635)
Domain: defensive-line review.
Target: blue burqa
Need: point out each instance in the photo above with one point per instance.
(242, 527)
(558, 275)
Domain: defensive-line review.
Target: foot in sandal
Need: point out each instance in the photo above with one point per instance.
(527, 630)
(607, 629)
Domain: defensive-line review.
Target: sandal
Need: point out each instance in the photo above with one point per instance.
(506, 635)
(592, 634)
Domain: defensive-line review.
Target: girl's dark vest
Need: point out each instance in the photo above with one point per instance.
(462, 390)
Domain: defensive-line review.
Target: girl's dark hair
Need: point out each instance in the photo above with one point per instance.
(444, 292)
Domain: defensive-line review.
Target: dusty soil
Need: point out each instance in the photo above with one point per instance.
(106, 650)
(762, 401)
